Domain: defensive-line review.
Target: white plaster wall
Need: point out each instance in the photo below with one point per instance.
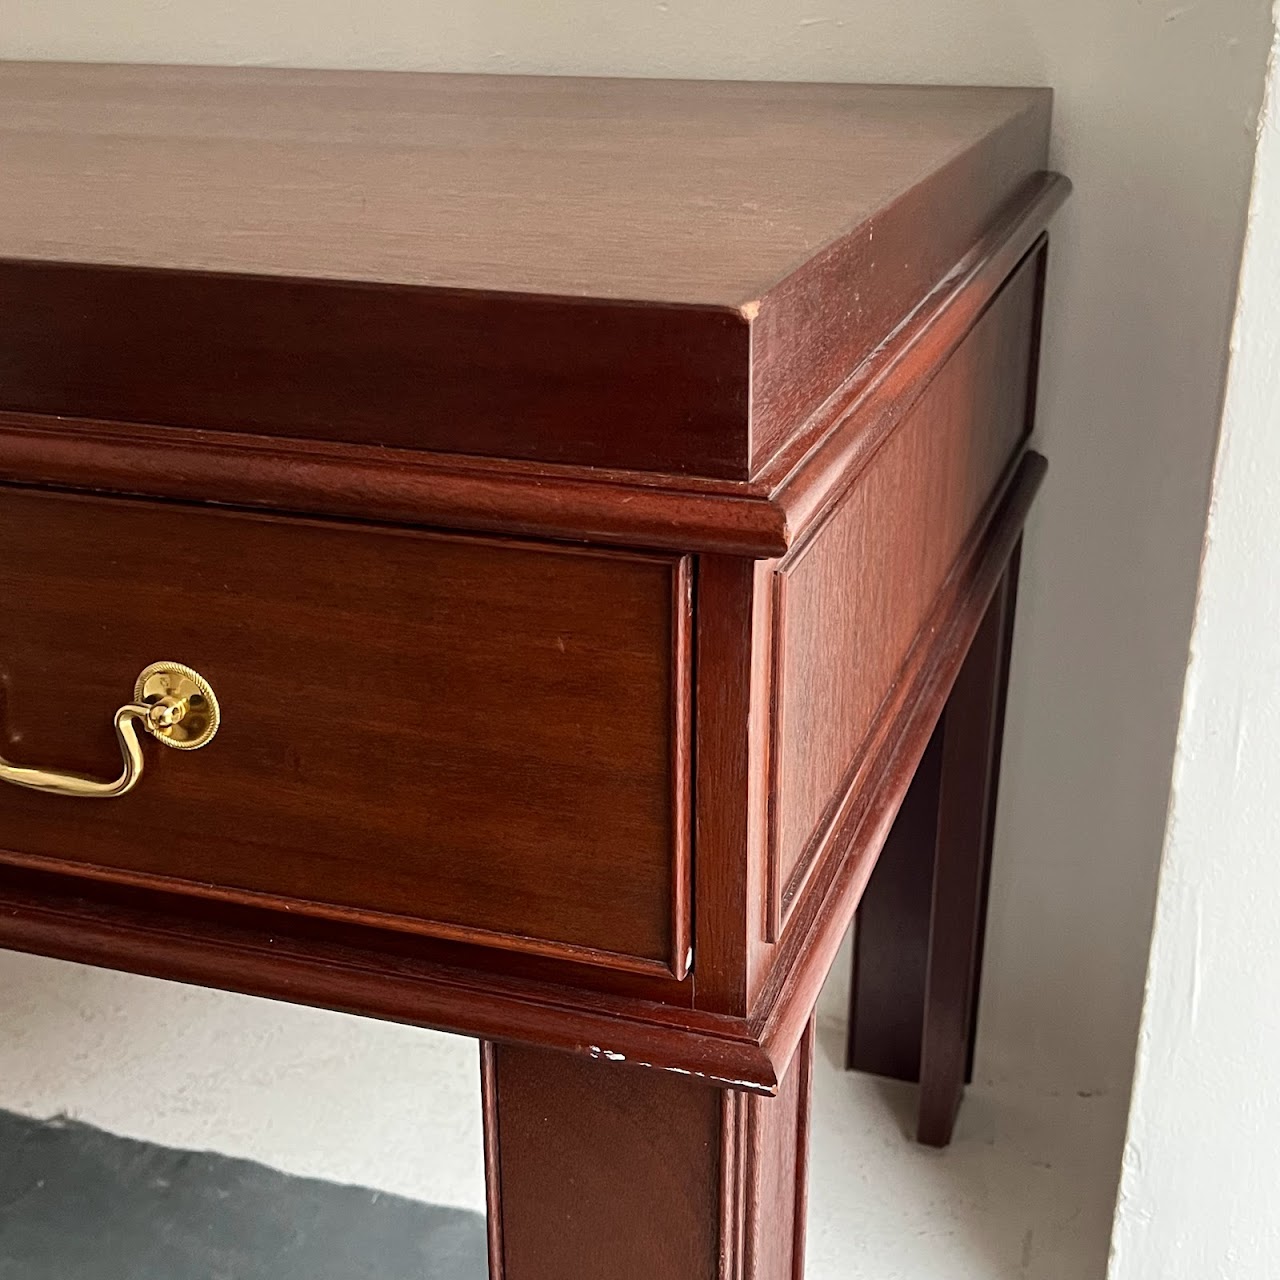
(1157, 101)
(1201, 1165)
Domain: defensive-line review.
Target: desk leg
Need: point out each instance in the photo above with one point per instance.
(920, 926)
(600, 1169)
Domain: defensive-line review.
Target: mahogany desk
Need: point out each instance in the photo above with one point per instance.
(579, 507)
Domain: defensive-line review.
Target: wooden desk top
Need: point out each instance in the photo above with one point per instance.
(697, 193)
(657, 276)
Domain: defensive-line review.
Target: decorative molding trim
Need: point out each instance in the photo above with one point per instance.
(764, 516)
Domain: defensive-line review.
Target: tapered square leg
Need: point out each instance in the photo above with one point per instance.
(920, 925)
(604, 1169)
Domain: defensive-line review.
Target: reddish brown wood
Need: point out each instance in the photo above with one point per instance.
(775, 1138)
(498, 184)
(489, 1121)
(770, 344)
(599, 1168)
(858, 588)
(477, 740)
(259, 953)
(863, 821)
(891, 934)
(541, 378)
(680, 775)
(918, 939)
(359, 971)
(1010, 606)
(732, 665)
(763, 517)
(434, 262)
(966, 821)
(807, 337)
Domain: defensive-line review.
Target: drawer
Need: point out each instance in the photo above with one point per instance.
(472, 739)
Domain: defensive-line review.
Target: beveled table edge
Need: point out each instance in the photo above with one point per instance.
(761, 517)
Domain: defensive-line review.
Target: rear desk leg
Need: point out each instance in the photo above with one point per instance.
(920, 926)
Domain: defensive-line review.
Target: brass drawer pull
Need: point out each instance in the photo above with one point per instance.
(172, 703)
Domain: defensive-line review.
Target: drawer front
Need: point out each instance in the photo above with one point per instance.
(472, 739)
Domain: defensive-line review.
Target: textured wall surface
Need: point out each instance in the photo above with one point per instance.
(1157, 103)
(1201, 1168)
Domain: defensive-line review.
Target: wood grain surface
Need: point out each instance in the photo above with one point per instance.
(851, 599)
(891, 934)
(484, 741)
(582, 495)
(861, 823)
(973, 729)
(918, 939)
(657, 275)
(359, 970)
(761, 517)
(692, 192)
(604, 1169)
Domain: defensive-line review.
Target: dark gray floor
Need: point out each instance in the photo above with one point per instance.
(80, 1204)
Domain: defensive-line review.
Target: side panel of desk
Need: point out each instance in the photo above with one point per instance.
(823, 640)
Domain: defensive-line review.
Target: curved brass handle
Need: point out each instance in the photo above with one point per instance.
(172, 703)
